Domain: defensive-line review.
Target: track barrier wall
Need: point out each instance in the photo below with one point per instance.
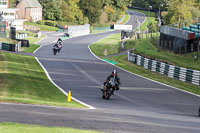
(179, 73)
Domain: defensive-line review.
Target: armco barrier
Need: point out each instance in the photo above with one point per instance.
(179, 73)
(102, 28)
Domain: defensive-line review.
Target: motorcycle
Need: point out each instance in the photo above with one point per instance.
(55, 50)
(108, 89)
(199, 111)
(59, 46)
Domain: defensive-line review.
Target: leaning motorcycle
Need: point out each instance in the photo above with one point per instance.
(59, 46)
(108, 89)
(55, 50)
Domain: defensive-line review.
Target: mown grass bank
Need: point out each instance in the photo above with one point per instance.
(181, 60)
(27, 128)
(42, 27)
(33, 46)
(126, 18)
(22, 80)
(109, 45)
(142, 48)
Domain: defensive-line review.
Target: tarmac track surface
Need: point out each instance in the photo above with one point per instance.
(139, 106)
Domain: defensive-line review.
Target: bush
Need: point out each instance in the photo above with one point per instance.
(50, 23)
(42, 22)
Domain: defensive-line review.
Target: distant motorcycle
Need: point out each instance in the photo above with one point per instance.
(108, 89)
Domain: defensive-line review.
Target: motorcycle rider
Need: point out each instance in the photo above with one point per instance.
(199, 111)
(55, 46)
(117, 79)
(59, 40)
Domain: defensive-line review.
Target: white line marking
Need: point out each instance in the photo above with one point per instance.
(37, 49)
(38, 105)
(65, 93)
(137, 74)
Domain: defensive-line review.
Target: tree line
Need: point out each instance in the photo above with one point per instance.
(83, 11)
(175, 11)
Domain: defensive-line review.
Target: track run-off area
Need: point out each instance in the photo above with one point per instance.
(141, 105)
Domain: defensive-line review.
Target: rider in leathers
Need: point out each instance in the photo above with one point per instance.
(117, 79)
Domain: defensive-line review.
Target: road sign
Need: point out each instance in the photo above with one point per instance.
(123, 27)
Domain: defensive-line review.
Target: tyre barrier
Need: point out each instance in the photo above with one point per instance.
(11, 47)
(21, 36)
(179, 73)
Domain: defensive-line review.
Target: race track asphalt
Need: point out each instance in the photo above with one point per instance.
(140, 105)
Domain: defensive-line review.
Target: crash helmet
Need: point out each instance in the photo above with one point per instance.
(114, 72)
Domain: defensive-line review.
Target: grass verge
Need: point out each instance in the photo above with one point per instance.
(43, 27)
(22, 80)
(126, 18)
(33, 46)
(186, 61)
(109, 45)
(150, 18)
(27, 128)
(123, 63)
(7, 40)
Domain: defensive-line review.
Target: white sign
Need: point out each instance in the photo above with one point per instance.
(123, 27)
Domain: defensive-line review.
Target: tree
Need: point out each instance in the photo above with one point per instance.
(72, 12)
(179, 10)
(52, 9)
(91, 9)
(152, 27)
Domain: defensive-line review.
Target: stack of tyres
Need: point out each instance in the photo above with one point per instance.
(5, 46)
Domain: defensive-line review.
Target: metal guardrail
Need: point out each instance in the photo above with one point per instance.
(102, 28)
(179, 73)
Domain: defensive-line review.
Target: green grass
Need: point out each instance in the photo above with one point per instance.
(143, 27)
(43, 27)
(123, 63)
(30, 34)
(7, 40)
(27, 128)
(109, 44)
(150, 16)
(187, 61)
(99, 31)
(141, 48)
(22, 80)
(33, 46)
(126, 18)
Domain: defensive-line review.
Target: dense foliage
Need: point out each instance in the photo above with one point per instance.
(176, 10)
(91, 11)
(182, 10)
(83, 11)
